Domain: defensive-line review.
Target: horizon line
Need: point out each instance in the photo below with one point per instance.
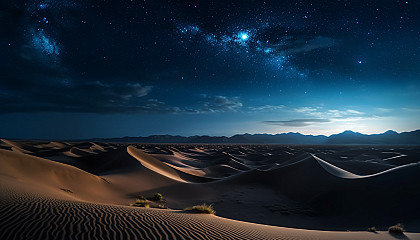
(204, 135)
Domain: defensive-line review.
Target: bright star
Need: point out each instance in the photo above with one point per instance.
(244, 36)
(360, 61)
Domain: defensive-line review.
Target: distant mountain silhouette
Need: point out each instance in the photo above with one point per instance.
(388, 137)
(347, 137)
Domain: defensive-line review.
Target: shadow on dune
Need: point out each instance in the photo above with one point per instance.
(399, 235)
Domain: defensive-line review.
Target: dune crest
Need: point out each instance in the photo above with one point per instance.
(154, 164)
(341, 173)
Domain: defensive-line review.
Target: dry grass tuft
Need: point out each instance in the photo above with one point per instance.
(203, 208)
(141, 203)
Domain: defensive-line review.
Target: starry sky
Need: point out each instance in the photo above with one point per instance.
(103, 68)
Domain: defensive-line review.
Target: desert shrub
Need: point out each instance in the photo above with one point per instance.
(397, 228)
(203, 208)
(141, 197)
(158, 197)
(371, 229)
(141, 203)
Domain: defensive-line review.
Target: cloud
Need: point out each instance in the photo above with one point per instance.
(101, 96)
(222, 104)
(319, 112)
(342, 113)
(267, 108)
(298, 122)
(65, 95)
(383, 110)
(309, 110)
(348, 115)
(292, 45)
(124, 92)
(411, 109)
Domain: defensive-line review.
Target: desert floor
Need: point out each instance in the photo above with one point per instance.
(83, 190)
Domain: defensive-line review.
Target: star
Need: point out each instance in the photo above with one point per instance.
(244, 36)
(42, 6)
(360, 61)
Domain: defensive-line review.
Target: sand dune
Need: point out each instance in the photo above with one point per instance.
(162, 168)
(43, 217)
(361, 167)
(57, 177)
(338, 172)
(85, 192)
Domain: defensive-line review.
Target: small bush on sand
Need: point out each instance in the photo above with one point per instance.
(158, 197)
(203, 208)
(141, 197)
(141, 203)
(147, 204)
(397, 228)
(371, 229)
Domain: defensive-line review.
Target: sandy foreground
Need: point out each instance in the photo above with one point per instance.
(58, 190)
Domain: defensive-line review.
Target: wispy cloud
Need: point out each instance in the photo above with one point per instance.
(96, 97)
(213, 104)
(296, 45)
(383, 110)
(411, 109)
(267, 108)
(221, 104)
(320, 112)
(308, 110)
(298, 122)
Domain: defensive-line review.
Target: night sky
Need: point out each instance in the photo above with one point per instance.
(82, 69)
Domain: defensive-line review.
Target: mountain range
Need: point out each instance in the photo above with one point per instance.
(389, 137)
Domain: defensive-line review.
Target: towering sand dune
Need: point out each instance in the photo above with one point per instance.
(55, 177)
(165, 170)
